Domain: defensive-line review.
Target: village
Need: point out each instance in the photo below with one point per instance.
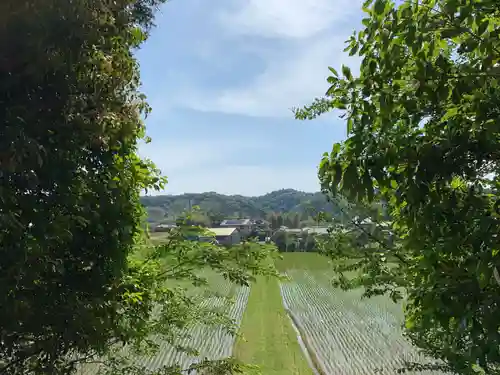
(230, 232)
(233, 231)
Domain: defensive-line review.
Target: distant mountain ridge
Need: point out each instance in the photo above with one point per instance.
(279, 201)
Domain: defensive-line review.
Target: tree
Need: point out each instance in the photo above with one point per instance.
(274, 221)
(279, 220)
(307, 242)
(196, 217)
(72, 287)
(215, 218)
(423, 122)
(281, 239)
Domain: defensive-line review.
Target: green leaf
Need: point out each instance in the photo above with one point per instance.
(450, 113)
(367, 3)
(346, 72)
(450, 33)
(379, 6)
(478, 369)
(350, 177)
(337, 174)
(409, 324)
(353, 50)
(333, 71)
(349, 125)
(336, 149)
(368, 185)
(372, 66)
(483, 26)
(332, 80)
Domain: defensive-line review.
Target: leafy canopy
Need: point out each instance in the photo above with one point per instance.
(72, 287)
(423, 123)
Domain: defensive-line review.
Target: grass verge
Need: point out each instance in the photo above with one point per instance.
(269, 340)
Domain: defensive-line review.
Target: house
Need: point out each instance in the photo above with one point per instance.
(320, 231)
(294, 231)
(223, 236)
(245, 226)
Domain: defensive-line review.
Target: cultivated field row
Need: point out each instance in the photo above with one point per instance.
(338, 333)
(210, 342)
(347, 335)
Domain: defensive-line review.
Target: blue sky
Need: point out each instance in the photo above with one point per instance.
(222, 76)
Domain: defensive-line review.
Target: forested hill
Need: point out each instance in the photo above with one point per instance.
(280, 201)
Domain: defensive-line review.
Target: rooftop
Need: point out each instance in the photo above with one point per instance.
(293, 230)
(230, 222)
(317, 230)
(219, 232)
(166, 226)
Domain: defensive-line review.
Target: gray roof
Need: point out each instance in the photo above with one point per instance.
(230, 222)
(166, 226)
(316, 230)
(293, 230)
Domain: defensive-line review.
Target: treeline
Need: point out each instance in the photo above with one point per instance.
(295, 220)
(216, 207)
(287, 242)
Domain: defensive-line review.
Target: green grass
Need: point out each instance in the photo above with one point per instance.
(269, 339)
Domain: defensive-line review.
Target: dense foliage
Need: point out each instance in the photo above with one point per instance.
(70, 176)
(218, 206)
(72, 287)
(423, 121)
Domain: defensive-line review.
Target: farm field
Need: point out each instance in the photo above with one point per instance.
(211, 342)
(346, 335)
(298, 326)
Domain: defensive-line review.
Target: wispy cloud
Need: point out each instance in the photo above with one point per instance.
(312, 36)
(286, 18)
(292, 79)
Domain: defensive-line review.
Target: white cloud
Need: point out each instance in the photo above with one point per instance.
(243, 179)
(286, 18)
(314, 34)
(290, 80)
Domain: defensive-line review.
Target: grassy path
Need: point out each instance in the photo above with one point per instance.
(269, 340)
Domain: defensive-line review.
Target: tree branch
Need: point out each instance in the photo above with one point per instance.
(384, 245)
